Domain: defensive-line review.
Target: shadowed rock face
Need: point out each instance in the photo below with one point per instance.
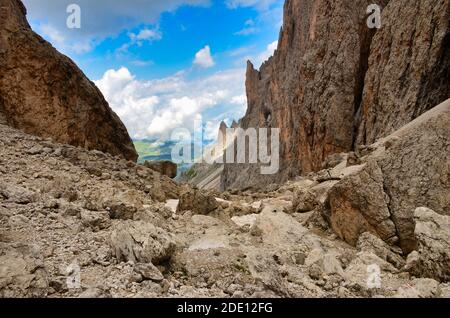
(408, 66)
(334, 84)
(44, 93)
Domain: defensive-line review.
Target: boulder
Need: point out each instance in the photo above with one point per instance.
(432, 259)
(17, 194)
(321, 263)
(380, 196)
(419, 288)
(304, 201)
(149, 271)
(166, 168)
(22, 271)
(141, 242)
(373, 244)
(120, 210)
(358, 204)
(198, 202)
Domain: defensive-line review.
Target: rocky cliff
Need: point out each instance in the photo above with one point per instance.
(334, 83)
(408, 67)
(44, 93)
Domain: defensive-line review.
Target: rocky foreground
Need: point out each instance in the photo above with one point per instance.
(78, 223)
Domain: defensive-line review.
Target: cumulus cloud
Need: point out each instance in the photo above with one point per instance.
(203, 58)
(100, 18)
(153, 109)
(147, 35)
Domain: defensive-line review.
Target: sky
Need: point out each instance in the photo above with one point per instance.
(162, 64)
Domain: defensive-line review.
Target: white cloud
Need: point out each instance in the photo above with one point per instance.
(240, 51)
(203, 58)
(239, 100)
(147, 35)
(142, 62)
(54, 35)
(247, 31)
(270, 13)
(144, 35)
(264, 56)
(59, 40)
(258, 4)
(100, 18)
(153, 109)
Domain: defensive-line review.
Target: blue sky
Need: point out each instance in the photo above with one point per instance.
(162, 64)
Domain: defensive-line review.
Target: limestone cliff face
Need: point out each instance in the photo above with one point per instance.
(311, 87)
(334, 83)
(44, 93)
(408, 66)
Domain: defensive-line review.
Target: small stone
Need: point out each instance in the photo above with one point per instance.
(95, 220)
(120, 210)
(17, 194)
(72, 211)
(304, 201)
(149, 271)
(19, 220)
(35, 150)
(51, 204)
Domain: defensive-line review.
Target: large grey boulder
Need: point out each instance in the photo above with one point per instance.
(141, 242)
(197, 201)
(406, 170)
(432, 259)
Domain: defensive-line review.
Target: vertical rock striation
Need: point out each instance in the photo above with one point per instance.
(408, 66)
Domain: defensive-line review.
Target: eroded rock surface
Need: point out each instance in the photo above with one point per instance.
(44, 93)
(408, 68)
